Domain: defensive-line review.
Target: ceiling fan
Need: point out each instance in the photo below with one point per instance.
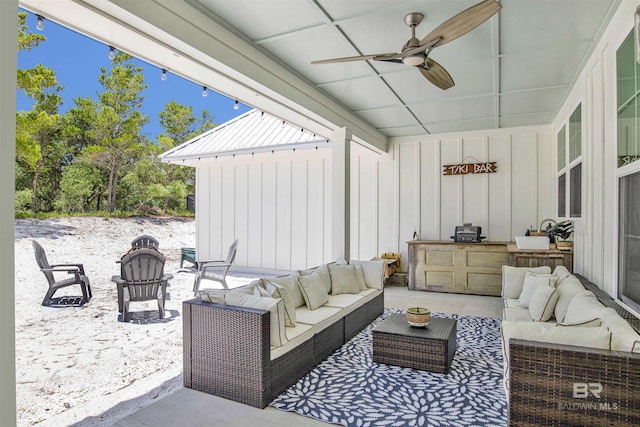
(415, 52)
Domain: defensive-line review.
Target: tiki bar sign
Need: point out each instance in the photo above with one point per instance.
(467, 168)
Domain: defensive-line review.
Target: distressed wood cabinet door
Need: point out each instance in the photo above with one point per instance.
(467, 268)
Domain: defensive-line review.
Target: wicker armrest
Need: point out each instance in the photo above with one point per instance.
(227, 351)
(551, 384)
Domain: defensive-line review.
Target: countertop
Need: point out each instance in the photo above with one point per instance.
(512, 247)
(451, 242)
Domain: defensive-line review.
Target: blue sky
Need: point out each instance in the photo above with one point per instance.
(77, 59)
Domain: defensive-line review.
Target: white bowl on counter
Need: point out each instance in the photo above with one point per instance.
(532, 242)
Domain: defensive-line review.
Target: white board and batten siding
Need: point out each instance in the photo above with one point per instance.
(505, 203)
(596, 231)
(276, 204)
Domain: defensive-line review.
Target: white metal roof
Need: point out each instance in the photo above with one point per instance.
(253, 132)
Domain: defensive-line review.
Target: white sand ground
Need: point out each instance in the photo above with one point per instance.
(81, 365)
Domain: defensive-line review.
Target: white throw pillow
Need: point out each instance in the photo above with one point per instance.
(274, 306)
(373, 272)
(343, 279)
(542, 303)
(276, 290)
(567, 289)
(584, 306)
(531, 283)
(561, 271)
(293, 288)
(323, 272)
(362, 285)
(513, 278)
(313, 291)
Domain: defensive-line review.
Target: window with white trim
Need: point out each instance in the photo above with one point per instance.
(569, 156)
(628, 173)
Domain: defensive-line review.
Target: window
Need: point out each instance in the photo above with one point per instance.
(562, 194)
(628, 103)
(628, 78)
(629, 241)
(569, 145)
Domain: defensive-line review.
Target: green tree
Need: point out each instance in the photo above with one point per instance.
(37, 131)
(180, 125)
(26, 39)
(114, 123)
(80, 187)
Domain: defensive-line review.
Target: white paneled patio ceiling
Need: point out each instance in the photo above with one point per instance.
(253, 132)
(515, 69)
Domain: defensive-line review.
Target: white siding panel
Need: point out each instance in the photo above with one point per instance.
(241, 214)
(524, 183)
(499, 189)
(451, 189)
(227, 206)
(283, 215)
(269, 215)
(315, 213)
(387, 220)
(366, 246)
(299, 213)
(203, 197)
(474, 186)
(430, 178)
(409, 197)
(254, 214)
(324, 155)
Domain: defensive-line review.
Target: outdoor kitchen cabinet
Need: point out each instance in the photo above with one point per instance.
(456, 267)
(537, 258)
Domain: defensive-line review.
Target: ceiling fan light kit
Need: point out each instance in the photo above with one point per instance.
(415, 53)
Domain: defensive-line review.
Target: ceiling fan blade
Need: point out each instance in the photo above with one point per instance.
(353, 58)
(437, 75)
(463, 22)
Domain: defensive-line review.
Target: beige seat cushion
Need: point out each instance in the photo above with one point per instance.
(593, 337)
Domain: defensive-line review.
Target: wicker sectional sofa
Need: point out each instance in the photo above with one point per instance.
(230, 350)
(580, 367)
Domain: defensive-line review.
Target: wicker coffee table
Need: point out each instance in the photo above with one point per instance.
(395, 342)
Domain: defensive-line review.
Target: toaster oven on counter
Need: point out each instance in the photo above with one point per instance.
(468, 233)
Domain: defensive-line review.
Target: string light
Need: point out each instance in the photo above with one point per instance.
(236, 105)
(40, 23)
(163, 76)
(204, 91)
(112, 52)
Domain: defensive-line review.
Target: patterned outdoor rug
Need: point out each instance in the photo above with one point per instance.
(349, 389)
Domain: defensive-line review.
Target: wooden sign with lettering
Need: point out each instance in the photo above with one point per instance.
(466, 168)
